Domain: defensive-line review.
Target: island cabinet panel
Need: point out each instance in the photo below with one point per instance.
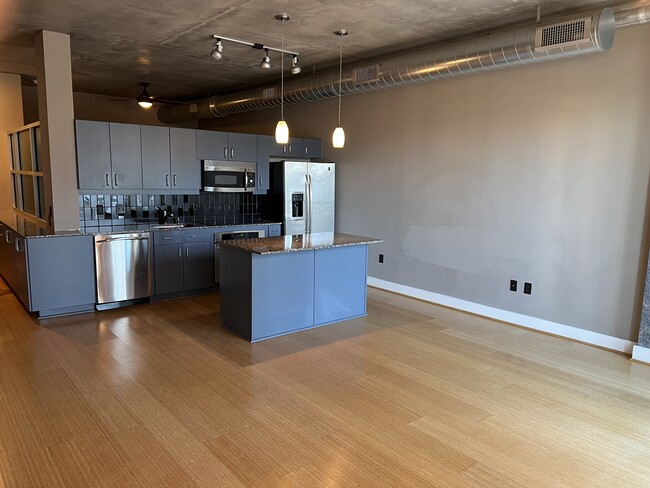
(282, 293)
(340, 283)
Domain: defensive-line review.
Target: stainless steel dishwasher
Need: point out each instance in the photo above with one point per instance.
(123, 267)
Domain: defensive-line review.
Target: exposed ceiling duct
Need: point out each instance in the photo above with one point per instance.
(582, 34)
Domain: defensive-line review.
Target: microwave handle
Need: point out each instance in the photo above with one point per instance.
(245, 180)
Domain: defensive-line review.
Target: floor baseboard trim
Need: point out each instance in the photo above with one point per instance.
(589, 337)
(640, 353)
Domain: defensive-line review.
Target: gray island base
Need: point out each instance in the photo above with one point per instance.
(277, 285)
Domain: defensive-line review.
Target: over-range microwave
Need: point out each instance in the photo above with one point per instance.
(228, 176)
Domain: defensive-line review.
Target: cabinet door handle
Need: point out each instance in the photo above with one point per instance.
(180, 255)
(289, 148)
(174, 180)
(108, 181)
(115, 179)
(187, 251)
(284, 149)
(232, 153)
(306, 151)
(17, 244)
(261, 182)
(225, 153)
(7, 236)
(167, 180)
(167, 238)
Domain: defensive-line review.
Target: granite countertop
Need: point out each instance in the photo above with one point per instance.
(299, 242)
(29, 229)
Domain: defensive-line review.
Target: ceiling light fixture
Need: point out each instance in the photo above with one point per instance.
(282, 129)
(295, 69)
(338, 136)
(144, 99)
(266, 61)
(217, 52)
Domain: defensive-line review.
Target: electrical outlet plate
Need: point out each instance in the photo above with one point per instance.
(381, 258)
(528, 288)
(513, 285)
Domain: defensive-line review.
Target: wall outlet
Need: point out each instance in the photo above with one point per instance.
(528, 288)
(381, 258)
(513, 285)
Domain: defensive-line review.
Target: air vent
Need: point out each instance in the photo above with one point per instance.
(366, 74)
(567, 33)
(269, 93)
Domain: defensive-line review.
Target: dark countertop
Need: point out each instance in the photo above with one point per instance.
(299, 242)
(29, 229)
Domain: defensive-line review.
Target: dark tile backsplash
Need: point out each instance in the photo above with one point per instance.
(125, 212)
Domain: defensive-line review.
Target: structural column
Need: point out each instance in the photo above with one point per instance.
(56, 114)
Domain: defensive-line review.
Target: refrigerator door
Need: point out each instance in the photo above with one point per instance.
(321, 197)
(295, 197)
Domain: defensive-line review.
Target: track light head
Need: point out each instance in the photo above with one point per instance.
(217, 52)
(266, 61)
(295, 69)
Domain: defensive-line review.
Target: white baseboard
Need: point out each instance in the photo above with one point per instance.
(641, 353)
(570, 332)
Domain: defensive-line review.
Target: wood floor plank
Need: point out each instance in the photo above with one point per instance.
(161, 394)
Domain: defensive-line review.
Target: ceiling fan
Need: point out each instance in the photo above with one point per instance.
(146, 101)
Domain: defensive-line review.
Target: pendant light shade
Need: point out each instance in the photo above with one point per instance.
(338, 136)
(282, 129)
(282, 132)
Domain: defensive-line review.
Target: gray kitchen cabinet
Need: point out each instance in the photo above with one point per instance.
(312, 148)
(185, 167)
(93, 155)
(61, 274)
(226, 146)
(126, 156)
(156, 161)
(198, 265)
(293, 149)
(168, 268)
(262, 170)
(21, 280)
(183, 260)
(274, 230)
(211, 144)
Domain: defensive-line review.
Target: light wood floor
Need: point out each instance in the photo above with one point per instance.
(412, 395)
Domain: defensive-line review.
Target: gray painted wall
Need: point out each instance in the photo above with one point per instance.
(537, 174)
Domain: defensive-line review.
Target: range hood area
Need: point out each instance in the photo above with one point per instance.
(580, 34)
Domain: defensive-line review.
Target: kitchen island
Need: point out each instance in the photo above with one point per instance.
(276, 285)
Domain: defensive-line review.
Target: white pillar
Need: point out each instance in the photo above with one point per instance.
(11, 118)
(56, 114)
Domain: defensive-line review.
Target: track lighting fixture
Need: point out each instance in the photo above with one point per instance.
(266, 61)
(295, 69)
(218, 50)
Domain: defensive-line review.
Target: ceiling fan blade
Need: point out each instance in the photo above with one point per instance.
(163, 100)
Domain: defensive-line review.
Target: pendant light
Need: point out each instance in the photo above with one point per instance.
(282, 129)
(338, 136)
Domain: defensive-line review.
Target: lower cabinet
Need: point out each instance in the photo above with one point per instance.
(183, 260)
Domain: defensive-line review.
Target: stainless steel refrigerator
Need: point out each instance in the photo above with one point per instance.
(302, 196)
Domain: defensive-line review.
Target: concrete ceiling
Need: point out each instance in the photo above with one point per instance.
(116, 44)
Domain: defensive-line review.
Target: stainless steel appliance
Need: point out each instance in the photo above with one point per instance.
(227, 236)
(228, 176)
(302, 196)
(123, 267)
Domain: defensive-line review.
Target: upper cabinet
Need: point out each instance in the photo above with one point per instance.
(93, 155)
(156, 159)
(296, 148)
(126, 156)
(226, 146)
(185, 167)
